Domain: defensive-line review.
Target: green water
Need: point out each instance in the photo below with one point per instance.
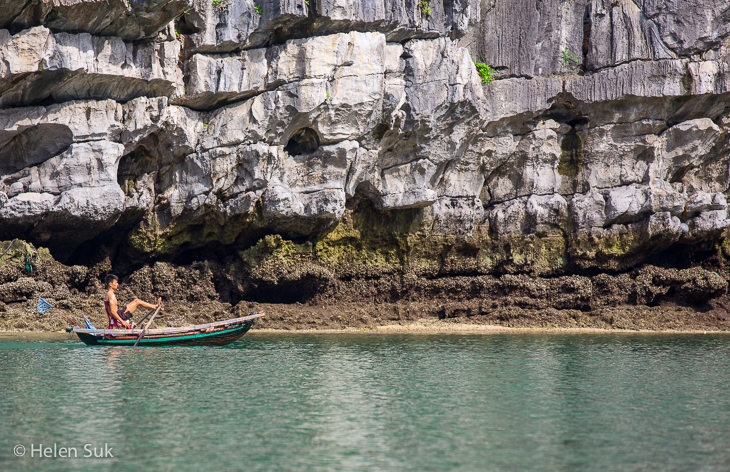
(373, 402)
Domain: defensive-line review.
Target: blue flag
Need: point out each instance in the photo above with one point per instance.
(87, 322)
(43, 306)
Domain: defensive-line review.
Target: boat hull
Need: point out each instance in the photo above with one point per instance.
(212, 334)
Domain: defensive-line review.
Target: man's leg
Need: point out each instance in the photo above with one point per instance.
(137, 302)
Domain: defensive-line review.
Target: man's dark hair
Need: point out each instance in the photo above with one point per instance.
(109, 279)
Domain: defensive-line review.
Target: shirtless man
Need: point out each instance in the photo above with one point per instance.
(118, 317)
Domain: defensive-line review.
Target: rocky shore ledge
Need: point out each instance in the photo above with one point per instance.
(363, 162)
(299, 291)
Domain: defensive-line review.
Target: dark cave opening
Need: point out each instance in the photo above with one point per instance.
(303, 141)
(182, 26)
(287, 292)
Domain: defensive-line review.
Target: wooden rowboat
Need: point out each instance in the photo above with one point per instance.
(211, 334)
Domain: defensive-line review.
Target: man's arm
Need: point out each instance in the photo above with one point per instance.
(113, 307)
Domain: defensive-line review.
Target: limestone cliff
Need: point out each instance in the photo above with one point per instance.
(306, 144)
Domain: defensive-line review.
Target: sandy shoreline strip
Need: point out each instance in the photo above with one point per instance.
(419, 327)
(450, 328)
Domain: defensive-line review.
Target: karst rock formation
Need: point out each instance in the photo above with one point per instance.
(361, 133)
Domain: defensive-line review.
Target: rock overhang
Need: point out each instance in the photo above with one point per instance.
(205, 131)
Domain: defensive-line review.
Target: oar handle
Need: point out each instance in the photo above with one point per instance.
(145, 316)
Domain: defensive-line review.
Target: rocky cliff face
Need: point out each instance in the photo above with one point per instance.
(358, 137)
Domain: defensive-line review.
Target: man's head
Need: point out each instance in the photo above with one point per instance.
(112, 281)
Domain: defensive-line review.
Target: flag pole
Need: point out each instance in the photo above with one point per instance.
(72, 321)
(40, 306)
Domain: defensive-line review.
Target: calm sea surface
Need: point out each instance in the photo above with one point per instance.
(274, 402)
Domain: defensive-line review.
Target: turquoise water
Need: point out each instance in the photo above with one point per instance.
(275, 402)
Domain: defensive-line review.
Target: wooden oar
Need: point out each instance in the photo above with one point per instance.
(148, 325)
(145, 317)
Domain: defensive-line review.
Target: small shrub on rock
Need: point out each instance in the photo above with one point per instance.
(485, 72)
